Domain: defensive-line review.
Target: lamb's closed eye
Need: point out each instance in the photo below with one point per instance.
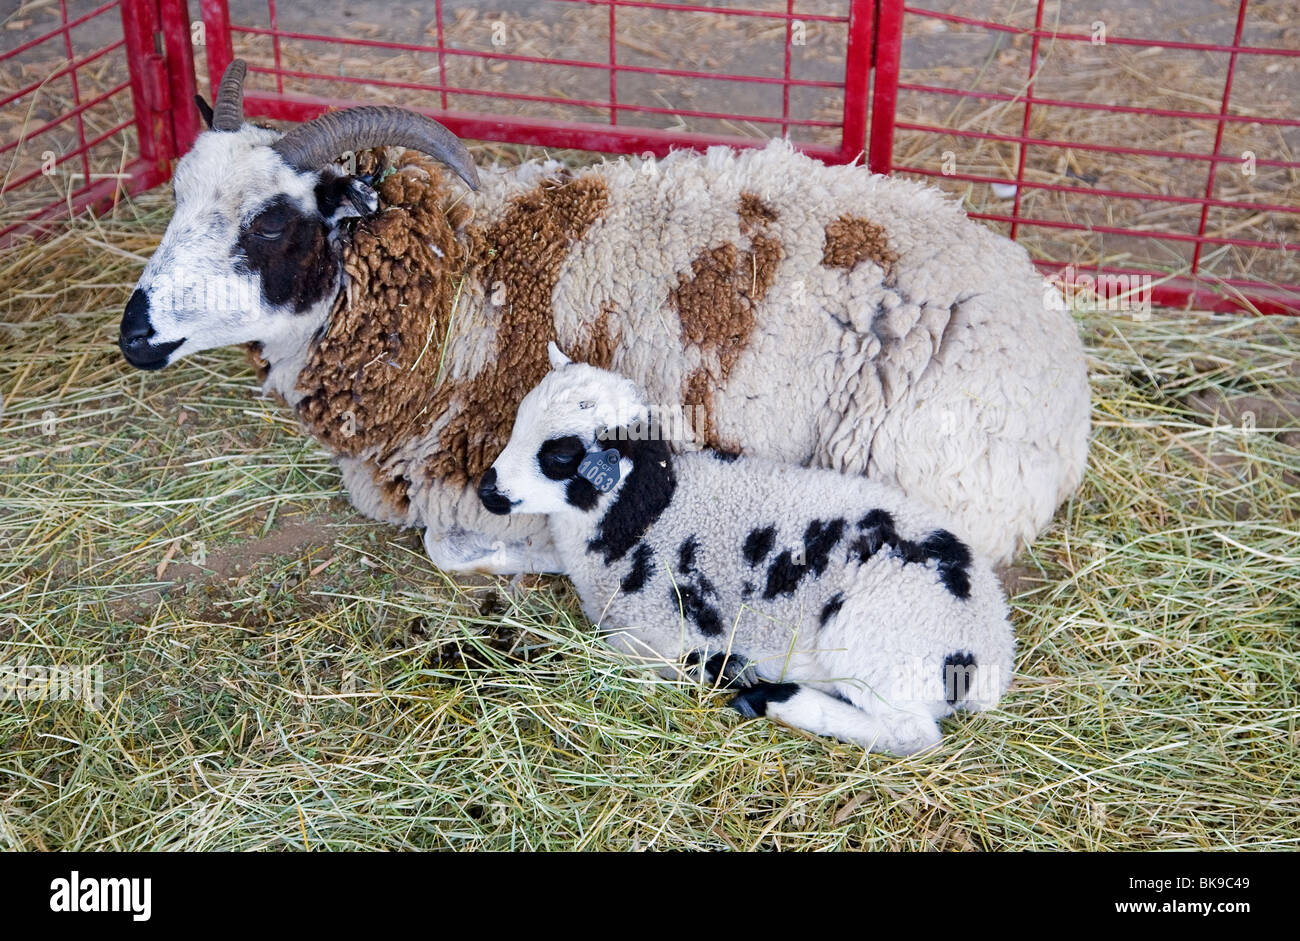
(559, 457)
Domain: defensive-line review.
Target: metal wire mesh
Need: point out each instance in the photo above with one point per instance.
(1110, 145)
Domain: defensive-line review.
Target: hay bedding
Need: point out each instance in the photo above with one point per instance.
(339, 675)
(281, 673)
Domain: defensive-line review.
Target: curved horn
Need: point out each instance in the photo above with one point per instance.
(316, 143)
(228, 111)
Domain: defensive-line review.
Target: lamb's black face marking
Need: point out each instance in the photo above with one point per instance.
(953, 557)
(493, 499)
(645, 494)
(558, 458)
(758, 544)
(581, 494)
(784, 574)
(754, 701)
(291, 252)
(686, 555)
(639, 574)
(958, 676)
(832, 607)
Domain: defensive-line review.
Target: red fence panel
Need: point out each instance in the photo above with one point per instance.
(85, 107)
(586, 75)
(1107, 137)
(1170, 175)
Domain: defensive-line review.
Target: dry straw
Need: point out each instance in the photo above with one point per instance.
(281, 673)
(296, 676)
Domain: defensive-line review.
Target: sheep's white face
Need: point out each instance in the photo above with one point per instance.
(249, 256)
(557, 425)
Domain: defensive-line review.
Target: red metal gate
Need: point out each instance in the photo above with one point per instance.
(1203, 258)
(114, 68)
(648, 75)
(520, 122)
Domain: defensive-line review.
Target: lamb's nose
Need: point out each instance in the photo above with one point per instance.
(135, 322)
(493, 499)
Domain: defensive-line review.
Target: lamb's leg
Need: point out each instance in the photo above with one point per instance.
(723, 670)
(895, 731)
(458, 550)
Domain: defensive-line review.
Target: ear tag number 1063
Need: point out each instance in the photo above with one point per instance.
(600, 469)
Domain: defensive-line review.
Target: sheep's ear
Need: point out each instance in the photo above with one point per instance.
(344, 197)
(557, 358)
(205, 110)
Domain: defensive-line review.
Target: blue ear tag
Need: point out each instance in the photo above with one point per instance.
(600, 469)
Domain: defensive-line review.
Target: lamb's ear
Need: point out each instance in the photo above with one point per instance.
(556, 356)
(205, 110)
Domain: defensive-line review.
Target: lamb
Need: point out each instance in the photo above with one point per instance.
(795, 311)
(848, 609)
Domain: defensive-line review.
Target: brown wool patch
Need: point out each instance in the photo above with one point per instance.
(518, 257)
(394, 489)
(851, 239)
(697, 397)
(253, 353)
(368, 382)
(754, 213)
(716, 303)
(597, 344)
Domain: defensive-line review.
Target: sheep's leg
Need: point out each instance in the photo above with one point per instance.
(895, 731)
(458, 550)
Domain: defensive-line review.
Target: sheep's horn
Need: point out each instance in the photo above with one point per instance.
(228, 111)
(316, 143)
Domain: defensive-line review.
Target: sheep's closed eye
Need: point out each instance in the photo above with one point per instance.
(267, 230)
(270, 224)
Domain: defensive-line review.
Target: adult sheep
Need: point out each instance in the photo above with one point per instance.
(812, 314)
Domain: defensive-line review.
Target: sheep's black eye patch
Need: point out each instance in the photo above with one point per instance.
(290, 252)
(559, 458)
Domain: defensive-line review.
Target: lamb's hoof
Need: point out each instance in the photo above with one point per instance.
(721, 670)
(753, 702)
